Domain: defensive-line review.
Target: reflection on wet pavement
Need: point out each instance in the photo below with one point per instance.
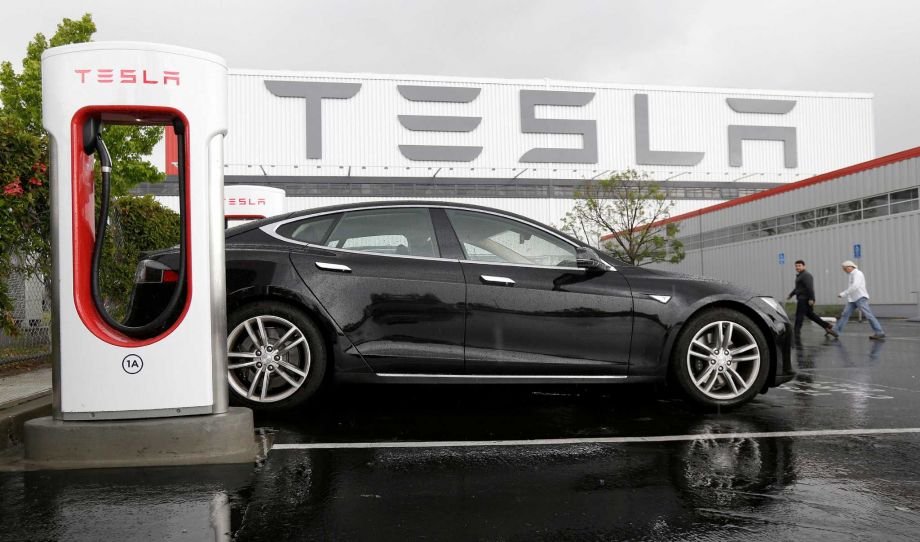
(731, 487)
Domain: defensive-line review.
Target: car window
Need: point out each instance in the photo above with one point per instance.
(310, 230)
(489, 238)
(399, 231)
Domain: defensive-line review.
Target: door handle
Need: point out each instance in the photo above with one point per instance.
(334, 267)
(498, 281)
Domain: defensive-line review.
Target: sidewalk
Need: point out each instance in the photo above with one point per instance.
(23, 396)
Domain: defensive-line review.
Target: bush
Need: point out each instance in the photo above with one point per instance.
(137, 224)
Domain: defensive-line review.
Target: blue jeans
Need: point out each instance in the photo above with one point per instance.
(863, 305)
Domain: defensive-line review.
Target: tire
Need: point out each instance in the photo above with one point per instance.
(293, 357)
(721, 377)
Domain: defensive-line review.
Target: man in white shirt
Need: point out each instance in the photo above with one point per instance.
(857, 297)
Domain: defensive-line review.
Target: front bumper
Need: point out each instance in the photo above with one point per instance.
(785, 356)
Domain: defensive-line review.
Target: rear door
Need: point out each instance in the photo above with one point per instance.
(531, 310)
(379, 273)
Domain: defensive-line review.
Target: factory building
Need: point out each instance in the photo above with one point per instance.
(868, 213)
(523, 145)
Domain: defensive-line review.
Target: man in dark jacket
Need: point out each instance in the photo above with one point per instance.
(804, 293)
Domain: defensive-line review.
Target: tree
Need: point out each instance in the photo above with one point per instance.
(25, 231)
(630, 208)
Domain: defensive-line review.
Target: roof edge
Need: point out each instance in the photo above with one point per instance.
(824, 177)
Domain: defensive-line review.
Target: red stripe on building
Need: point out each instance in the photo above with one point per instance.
(829, 176)
(172, 152)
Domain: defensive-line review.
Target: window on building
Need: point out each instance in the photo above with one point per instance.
(905, 206)
(849, 206)
(875, 201)
(904, 201)
(873, 212)
(850, 217)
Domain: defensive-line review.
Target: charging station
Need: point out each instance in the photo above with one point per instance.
(161, 384)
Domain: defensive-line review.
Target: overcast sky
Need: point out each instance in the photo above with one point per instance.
(841, 45)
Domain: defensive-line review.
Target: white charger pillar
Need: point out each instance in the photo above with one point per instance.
(103, 371)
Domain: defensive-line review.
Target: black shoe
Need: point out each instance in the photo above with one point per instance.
(877, 337)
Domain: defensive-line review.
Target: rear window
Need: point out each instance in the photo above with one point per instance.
(310, 230)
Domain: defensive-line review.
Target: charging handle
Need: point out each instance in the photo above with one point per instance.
(91, 129)
(93, 143)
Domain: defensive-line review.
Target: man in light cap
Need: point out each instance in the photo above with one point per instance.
(857, 297)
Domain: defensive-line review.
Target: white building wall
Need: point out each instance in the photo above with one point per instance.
(890, 245)
(361, 135)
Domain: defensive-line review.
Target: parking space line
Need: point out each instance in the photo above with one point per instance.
(821, 373)
(887, 337)
(598, 440)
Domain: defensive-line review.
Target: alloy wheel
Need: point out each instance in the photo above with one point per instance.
(269, 358)
(723, 360)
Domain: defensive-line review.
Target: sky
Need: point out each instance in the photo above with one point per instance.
(811, 45)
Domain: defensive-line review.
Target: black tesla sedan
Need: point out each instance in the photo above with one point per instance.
(427, 292)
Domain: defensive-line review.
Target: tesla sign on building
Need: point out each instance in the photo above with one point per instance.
(307, 124)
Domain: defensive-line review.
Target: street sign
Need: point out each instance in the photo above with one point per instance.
(782, 258)
(857, 251)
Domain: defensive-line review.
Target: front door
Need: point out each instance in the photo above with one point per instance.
(379, 274)
(531, 310)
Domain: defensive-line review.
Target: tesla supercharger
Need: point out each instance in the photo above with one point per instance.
(103, 369)
(248, 202)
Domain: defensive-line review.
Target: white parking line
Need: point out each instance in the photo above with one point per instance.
(887, 337)
(599, 440)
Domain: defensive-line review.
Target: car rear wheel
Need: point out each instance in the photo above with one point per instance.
(721, 359)
(276, 356)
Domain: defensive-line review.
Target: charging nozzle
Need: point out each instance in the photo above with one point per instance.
(91, 129)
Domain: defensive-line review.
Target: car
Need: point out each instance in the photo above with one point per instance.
(431, 292)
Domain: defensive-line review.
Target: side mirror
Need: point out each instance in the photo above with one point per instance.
(586, 258)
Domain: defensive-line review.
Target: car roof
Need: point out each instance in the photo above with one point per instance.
(388, 203)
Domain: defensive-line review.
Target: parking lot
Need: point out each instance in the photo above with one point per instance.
(833, 454)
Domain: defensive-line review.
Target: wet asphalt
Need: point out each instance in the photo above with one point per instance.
(728, 484)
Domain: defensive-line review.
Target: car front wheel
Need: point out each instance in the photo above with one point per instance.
(721, 359)
(276, 356)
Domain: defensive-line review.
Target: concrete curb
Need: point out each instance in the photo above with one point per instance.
(182, 440)
(13, 417)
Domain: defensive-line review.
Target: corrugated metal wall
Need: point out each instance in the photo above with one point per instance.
(890, 245)
(363, 132)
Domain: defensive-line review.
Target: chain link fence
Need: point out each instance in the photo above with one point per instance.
(32, 316)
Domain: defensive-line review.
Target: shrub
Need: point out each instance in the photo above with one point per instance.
(137, 224)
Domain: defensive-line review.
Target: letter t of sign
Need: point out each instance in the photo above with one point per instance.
(313, 94)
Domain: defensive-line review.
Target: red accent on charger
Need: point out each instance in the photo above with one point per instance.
(83, 209)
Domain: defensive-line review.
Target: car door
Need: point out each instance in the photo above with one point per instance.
(379, 274)
(530, 309)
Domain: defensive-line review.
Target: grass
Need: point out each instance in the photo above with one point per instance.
(13, 353)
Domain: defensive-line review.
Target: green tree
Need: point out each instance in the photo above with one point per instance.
(25, 237)
(137, 224)
(630, 208)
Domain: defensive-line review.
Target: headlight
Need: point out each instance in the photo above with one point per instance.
(774, 303)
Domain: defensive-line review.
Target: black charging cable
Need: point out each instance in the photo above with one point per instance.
(161, 322)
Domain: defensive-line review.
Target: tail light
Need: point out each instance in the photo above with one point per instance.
(154, 272)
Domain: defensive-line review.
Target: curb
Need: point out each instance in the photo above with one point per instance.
(14, 416)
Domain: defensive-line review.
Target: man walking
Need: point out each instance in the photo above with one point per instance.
(857, 297)
(804, 293)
